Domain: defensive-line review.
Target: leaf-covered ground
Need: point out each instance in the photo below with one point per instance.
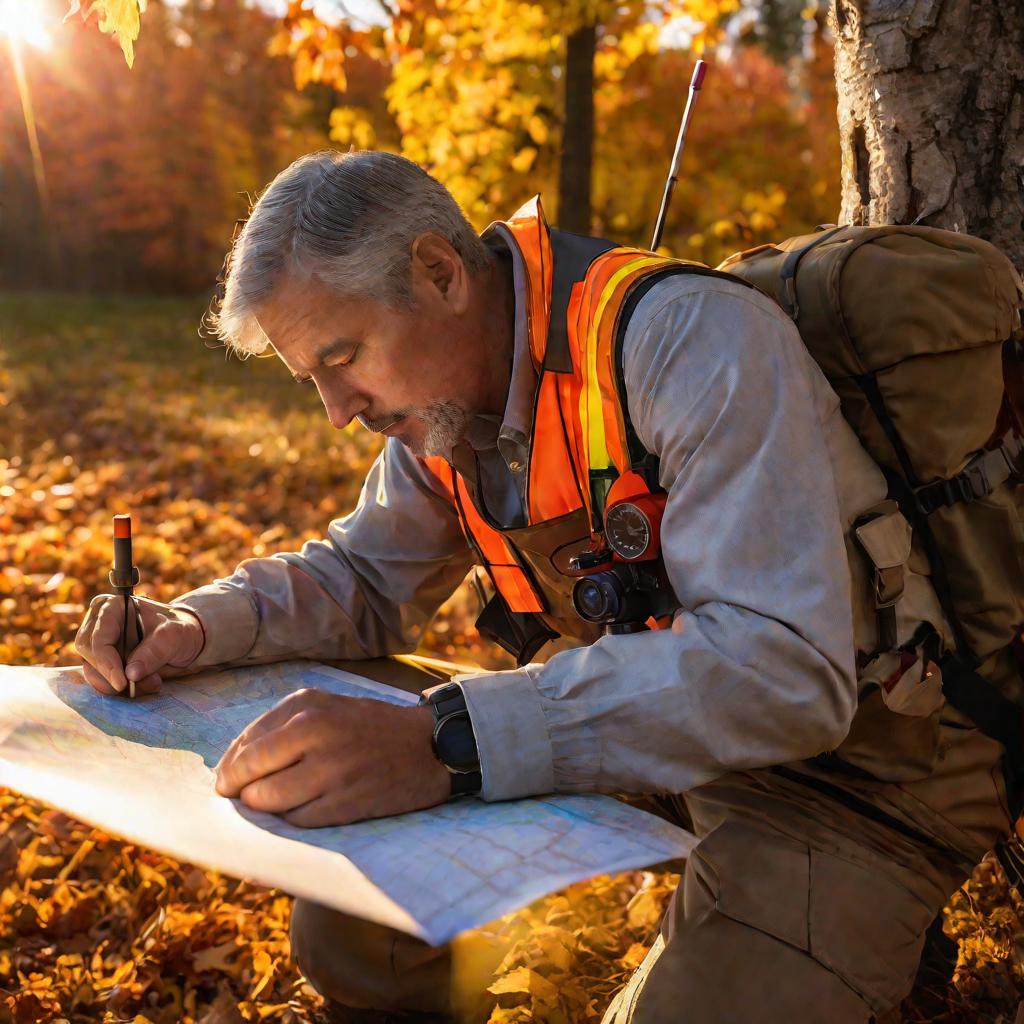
(117, 406)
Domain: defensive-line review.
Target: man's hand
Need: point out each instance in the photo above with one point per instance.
(173, 639)
(319, 759)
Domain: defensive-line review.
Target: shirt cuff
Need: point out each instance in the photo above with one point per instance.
(511, 734)
(229, 619)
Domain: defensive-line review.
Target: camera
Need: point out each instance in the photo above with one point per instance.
(623, 597)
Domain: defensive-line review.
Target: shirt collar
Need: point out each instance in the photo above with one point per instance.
(510, 432)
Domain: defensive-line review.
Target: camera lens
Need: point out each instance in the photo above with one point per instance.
(590, 601)
(597, 597)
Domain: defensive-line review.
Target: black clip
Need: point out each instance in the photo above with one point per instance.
(1013, 451)
(972, 483)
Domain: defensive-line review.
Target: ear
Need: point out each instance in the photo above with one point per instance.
(438, 273)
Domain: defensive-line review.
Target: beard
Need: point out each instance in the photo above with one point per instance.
(446, 424)
(446, 427)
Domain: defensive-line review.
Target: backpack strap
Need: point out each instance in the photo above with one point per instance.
(995, 714)
(901, 487)
(786, 293)
(640, 460)
(979, 478)
(963, 686)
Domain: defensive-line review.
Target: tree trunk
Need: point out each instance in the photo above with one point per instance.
(931, 115)
(574, 169)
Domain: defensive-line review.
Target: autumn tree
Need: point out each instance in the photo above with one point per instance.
(931, 114)
(493, 98)
(581, 102)
(483, 106)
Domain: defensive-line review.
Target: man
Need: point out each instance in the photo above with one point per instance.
(521, 376)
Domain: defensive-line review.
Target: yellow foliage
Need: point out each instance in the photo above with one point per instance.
(474, 86)
(538, 129)
(523, 160)
(643, 912)
(639, 40)
(527, 982)
(633, 957)
(116, 17)
(769, 200)
(351, 127)
(723, 229)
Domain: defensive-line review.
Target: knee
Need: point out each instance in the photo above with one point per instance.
(322, 943)
(365, 965)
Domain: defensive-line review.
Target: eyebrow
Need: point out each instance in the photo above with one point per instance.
(330, 349)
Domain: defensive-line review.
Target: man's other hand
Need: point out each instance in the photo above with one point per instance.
(319, 759)
(173, 638)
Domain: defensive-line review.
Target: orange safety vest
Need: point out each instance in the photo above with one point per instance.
(580, 291)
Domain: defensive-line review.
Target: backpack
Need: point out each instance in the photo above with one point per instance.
(918, 330)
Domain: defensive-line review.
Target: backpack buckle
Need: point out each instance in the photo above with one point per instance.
(1013, 452)
(978, 479)
(972, 483)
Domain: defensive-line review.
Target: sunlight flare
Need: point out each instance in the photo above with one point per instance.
(23, 21)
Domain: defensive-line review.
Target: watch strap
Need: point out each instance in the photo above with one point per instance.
(453, 742)
(466, 783)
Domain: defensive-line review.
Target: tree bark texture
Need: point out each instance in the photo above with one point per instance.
(931, 115)
(574, 169)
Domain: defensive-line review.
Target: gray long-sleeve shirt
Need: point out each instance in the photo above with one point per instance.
(764, 478)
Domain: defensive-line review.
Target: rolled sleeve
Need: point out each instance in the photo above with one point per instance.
(511, 734)
(230, 622)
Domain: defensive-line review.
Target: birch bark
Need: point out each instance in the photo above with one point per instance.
(931, 115)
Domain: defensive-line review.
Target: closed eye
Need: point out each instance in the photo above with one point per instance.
(348, 359)
(341, 353)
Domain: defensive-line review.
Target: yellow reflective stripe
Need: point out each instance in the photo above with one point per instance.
(591, 412)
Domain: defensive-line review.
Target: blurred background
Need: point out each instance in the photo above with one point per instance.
(140, 174)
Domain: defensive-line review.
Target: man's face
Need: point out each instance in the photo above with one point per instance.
(418, 375)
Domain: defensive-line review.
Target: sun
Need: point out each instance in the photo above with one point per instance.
(23, 21)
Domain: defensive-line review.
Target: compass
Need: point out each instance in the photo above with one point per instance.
(628, 530)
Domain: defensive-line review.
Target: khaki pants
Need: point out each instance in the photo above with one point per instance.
(794, 906)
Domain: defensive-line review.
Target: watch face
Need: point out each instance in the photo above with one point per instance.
(455, 744)
(627, 530)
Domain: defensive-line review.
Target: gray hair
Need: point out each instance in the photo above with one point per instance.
(348, 219)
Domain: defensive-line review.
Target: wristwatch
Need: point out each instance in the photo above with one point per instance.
(453, 742)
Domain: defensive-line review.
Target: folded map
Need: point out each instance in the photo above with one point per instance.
(143, 770)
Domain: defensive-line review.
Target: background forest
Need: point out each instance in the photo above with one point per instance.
(119, 192)
(146, 170)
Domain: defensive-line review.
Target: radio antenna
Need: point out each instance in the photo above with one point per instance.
(673, 174)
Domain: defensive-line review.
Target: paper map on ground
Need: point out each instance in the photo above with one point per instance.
(143, 770)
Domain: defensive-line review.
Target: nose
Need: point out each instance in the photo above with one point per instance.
(342, 402)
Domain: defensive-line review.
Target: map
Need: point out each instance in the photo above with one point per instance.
(143, 770)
